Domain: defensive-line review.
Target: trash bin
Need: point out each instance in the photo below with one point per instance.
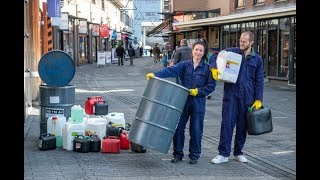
(56, 70)
(158, 114)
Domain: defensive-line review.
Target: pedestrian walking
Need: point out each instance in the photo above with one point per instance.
(141, 51)
(131, 53)
(238, 97)
(120, 53)
(196, 76)
(156, 53)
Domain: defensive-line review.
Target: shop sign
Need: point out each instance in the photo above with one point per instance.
(95, 30)
(114, 35)
(54, 8)
(83, 27)
(64, 22)
(104, 31)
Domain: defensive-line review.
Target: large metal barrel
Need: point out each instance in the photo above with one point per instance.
(56, 68)
(55, 101)
(158, 114)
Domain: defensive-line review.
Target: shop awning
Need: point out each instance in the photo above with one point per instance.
(241, 17)
(183, 30)
(159, 28)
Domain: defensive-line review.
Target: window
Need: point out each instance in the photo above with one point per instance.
(258, 2)
(239, 3)
(102, 5)
(214, 13)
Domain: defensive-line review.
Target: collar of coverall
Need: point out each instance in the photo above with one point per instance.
(252, 53)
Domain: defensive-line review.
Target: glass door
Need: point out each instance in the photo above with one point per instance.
(292, 57)
(82, 49)
(272, 48)
(261, 45)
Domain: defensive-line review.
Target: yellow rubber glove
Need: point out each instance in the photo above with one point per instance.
(193, 92)
(215, 72)
(149, 75)
(257, 104)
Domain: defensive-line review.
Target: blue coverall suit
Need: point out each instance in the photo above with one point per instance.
(237, 98)
(191, 78)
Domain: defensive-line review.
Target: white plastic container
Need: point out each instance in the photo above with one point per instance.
(228, 63)
(54, 127)
(116, 118)
(69, 131)
(97, 128)
(96, 119)
(77, 114)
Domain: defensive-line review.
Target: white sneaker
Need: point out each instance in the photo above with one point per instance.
(241, 158)
(219, 159)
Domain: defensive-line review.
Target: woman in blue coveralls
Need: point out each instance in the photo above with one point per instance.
(196, 76)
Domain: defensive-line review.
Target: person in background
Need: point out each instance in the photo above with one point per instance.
(141, 51)
(183, 53)
(120, 53)
(196, 76)
(156, 53)
(170, 62)
(238, 97)
(131, 53)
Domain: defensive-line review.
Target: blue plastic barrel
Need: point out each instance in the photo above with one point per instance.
(56, 68)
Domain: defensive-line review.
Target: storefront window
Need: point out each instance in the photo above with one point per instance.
(82, 48)
(250, 26)
(284, 28)
(233, 35)
(225, 36)
(272, 42)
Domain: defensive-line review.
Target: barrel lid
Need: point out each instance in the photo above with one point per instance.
(56, 68)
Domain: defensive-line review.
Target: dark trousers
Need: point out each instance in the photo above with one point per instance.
(120, 60)
(195, 131)
(233, 115)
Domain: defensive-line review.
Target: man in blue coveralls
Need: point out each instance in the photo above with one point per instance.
(196, 76)
(238, 97)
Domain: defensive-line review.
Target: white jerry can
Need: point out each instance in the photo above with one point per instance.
(228, 63)
(117, 119)
(69, 131)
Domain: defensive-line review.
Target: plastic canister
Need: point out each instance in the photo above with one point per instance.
(77, 114)
(228, 63)
(54, 127)
(117, 119)
(69, 131)
(96, 119)
(96, 128)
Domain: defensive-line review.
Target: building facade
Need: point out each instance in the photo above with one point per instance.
(77, 30)
(221, 23)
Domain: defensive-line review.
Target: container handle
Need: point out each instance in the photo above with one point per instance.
(113, 137)
(46, 134)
